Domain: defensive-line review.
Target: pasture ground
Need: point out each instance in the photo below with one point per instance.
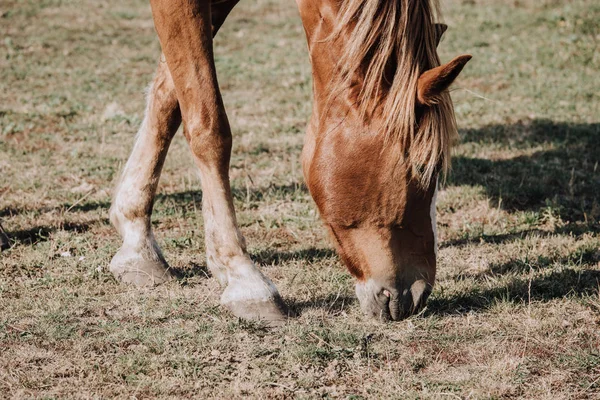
(516, 309)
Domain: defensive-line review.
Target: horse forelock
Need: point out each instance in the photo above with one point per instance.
(387, 45)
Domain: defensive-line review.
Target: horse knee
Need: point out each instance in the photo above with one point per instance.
(209, 137)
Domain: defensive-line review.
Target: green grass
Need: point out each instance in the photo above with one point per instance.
(516, 309)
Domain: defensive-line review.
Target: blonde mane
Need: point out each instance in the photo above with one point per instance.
(388, 44)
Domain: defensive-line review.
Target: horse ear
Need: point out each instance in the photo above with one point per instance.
(439, 32)
(433, 82)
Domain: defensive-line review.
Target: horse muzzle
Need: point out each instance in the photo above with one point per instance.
(392, 302)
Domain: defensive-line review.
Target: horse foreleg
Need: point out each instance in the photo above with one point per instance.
(140, 261)
(186, 40)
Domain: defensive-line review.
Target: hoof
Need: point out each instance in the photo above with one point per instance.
(272, 312)
(140, 272)
(253, 297)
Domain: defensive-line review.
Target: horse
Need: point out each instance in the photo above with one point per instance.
(378, 139)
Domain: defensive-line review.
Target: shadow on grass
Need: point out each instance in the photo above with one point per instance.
(4, 240)
(565, 281)
(265, 257)
(177, 200)
(566, 178)
(192, 271)
(72, 207)
(186, 199)
(575, 229)
(583, 257)
(39, 234)
(311, 255)
(332, 304)
(9, 212)
(559, 284)
(253, 193)
(87, 206)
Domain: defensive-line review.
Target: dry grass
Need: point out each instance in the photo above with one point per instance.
(516, 310)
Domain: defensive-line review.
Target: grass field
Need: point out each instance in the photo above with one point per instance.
(516, 309)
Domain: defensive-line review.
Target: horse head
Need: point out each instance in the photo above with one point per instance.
(379, 137)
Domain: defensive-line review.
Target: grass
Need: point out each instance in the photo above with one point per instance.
(516, 309)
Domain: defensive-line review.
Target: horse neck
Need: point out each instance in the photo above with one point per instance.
(319, 18)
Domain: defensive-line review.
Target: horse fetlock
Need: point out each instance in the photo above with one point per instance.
(119, 219)
(115, 216)
(126, 216)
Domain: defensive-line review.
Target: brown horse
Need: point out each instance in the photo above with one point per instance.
(380, 133)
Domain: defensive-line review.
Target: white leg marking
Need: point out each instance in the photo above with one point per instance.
(129, 194)
(226, 250)
(211, 229)
(247, 283)
(139, 260)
